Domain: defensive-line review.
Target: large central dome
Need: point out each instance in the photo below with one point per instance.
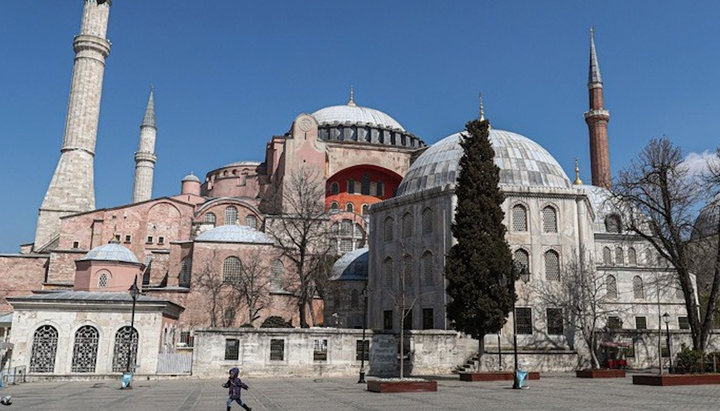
(522, 162)
(356, 115)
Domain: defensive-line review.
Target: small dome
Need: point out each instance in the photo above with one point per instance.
(352, 266)
(191, 177)
(111, 252)
(355, 114)
(235, 234)
(522, 162)
(706, 223)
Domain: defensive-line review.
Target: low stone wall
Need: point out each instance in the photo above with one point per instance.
(325, 352)
(536, 360)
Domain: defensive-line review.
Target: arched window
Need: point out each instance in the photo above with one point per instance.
(126, 339)
(388, 229)
(365, 209)
(44, 347)
(522, 258)
(251, 221)
(427, 268)
(607, 256)
(354, 299)
(388, 271)
(232, 270)
(619, 256)
(346, 228)
(611, 286)
(632, 256)
(85, 349)
(549, 220)
(613, 223)
(349, 207)
(185, 270)
(638, 290)
(552, 266)
(407, 269)
(407, 225)
(334, 205)
(210, 218)
(351, 187)
(103, 280)
(519, 218)
(230, 215)
(427, 221)
(334, 188)
(277, 271)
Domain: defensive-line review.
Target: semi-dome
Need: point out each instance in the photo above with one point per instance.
(235, 234)
(353, 266)
(111, 252)
(706, 223)
(522, 162)
(355, 114)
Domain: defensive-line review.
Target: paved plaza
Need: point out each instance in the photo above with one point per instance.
(557, 392)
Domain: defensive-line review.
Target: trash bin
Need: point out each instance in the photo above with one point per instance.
(520, 376)
(126, 378)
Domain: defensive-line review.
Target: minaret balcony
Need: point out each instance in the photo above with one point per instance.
(597, 114)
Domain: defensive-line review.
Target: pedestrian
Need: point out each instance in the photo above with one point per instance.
(235, 386)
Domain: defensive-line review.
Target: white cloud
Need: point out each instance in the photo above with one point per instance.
(697, 163)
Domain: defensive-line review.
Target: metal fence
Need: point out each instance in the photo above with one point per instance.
(174, 363)
(14, 375)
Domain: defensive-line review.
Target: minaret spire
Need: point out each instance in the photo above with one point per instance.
(145, 157)
(482, 109)
(578, 181)
(597, 118)
(72, 188)
(351, 102)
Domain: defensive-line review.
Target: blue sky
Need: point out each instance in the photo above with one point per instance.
(229, 75)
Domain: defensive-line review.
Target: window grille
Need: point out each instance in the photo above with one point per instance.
(619, 256)
(641, 323)
(210, 218)
(607, 256)
(555, 321)
(125, 338)
(387, 320)
(85, 349)
(683, 323)
(388, 229)
(103, 280)
(346, 245)
(523, 320)
(408, 320)
(614, 323)
(346, 227)
(549, 220)
(232, 270)
(251, 221)
(407, 227)
(613, 224)
(231, 215)
(522, 258)
(427, 221)
(519, 216)
(232, 349)
(360, 350)
(277, 350)
(428, 319)
(320, 350)
(427, 268)
(388, 271)
(552, 266)
(277, 271)
(42, 357)
(185, 270)
(638, 290)
(632, 256)
(611, 286)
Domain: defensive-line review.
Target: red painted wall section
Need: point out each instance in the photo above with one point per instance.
(389, 179)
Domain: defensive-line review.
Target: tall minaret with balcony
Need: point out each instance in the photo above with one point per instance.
(597, 120)
(145, 157)
(72, 187)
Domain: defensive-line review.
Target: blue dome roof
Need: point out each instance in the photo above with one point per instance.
(235, 234)
(352, 266)
(111, 252)
(522, 162)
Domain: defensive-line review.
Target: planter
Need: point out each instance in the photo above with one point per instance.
(495, 376)
(600, 373)
(676, 379)
(401, 386)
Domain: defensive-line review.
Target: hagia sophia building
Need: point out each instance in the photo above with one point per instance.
(390, 201)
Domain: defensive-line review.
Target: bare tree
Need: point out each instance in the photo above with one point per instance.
(252, 287)
(660, 197)
(219, 297)
(582, 294)
(302, 233)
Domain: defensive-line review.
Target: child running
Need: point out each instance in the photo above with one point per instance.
(235, 386)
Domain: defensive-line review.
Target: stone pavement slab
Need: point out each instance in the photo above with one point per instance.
(556, 392)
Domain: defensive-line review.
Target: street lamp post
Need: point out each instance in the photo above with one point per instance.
(525, 277)
(666, 319)
(364, 325)
(134, 292)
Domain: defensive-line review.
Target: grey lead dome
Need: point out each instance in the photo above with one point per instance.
(522, 162)
(235, 234)
(111, 252)
(355, 114)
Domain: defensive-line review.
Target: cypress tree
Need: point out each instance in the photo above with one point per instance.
(479, 269)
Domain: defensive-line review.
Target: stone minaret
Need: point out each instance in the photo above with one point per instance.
(72, 188)
(145, 157)
(597, 120)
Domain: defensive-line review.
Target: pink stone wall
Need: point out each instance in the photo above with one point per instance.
(21, 275)
(61, 269)
(120, 275)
